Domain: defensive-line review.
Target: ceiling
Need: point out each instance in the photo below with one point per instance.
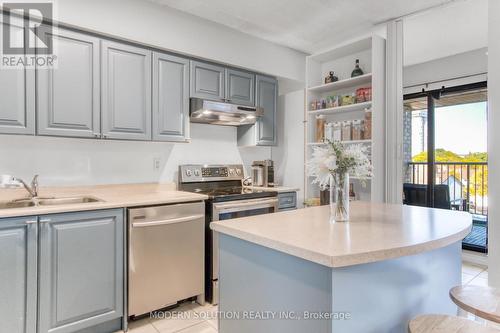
(305, 25)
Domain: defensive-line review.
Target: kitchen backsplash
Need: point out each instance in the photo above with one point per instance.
(62, 161)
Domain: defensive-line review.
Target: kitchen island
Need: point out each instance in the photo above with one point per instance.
(294, 271)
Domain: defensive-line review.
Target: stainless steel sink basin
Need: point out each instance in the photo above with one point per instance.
(16, 204)
(67, 201)
(20, 203)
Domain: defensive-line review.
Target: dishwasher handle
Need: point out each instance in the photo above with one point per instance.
(169, 221)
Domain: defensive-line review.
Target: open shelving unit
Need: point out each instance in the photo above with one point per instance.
(371, 53)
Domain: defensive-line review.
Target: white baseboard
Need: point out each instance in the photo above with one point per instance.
(475, 258)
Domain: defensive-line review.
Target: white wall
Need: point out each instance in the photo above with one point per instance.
(458, 27)
(461, 65)
(164, 27)
(289, 154)
(63, 161)
(494, 144)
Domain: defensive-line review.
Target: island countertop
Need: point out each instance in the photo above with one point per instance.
(375, 232)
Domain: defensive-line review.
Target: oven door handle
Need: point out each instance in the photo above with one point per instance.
(169, 221)
(237, 207)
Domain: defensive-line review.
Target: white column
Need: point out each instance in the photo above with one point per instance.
(494, 143)
(394, 113)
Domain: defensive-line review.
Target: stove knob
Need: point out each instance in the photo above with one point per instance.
(238, 172)
(231, 172)
(196, 173)
(189, 173)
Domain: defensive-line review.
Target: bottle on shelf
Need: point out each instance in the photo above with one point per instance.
(357, 71)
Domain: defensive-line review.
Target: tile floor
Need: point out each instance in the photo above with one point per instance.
(193, 318)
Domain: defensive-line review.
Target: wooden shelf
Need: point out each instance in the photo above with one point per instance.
(347, 83)
(312, 144)
(343, 109)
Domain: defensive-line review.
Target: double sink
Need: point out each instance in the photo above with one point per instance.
(41, 201)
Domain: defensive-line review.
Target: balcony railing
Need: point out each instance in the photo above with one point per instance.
(467, 181)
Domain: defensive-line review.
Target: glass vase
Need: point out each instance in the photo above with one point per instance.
(339, 197)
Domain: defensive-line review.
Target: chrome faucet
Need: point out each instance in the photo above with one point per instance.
(32, 188)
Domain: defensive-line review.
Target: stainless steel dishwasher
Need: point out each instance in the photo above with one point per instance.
(166, 255)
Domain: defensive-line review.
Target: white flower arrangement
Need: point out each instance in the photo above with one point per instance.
(337, 158)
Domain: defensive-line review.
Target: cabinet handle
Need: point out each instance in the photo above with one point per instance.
(31, 222)
(45, 220)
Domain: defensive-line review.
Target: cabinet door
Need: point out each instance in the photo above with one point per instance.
(240, 87)
(266, 98)
(81, 270)
(18, 274)
(207, 81)
(17, 90)
(126, 92)
(68, 96)
(170, 98)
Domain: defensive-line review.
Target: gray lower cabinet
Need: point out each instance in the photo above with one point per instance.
(287, 201)
(240, 87)
(17, 92)
(170, 98)
(126, 91)
(81, 271)
(68, 97)
(18, 275)
(263, 133)
(207, 81)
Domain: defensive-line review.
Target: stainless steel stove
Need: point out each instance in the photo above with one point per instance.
(228, 199)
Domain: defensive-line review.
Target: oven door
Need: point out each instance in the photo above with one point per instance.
(231, 210)
(242, 208)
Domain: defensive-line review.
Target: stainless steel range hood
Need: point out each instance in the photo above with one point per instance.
(220, 113)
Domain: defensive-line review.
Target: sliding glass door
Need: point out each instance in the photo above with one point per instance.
(446, 154)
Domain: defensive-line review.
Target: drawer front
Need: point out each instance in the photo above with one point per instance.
(287, 200)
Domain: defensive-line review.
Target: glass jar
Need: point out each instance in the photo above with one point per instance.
(367, 130)
(346, 131)
(320, 128)
(357, 130)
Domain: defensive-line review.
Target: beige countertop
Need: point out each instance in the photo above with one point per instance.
(375, 232)
(280, 189)
(113, 196)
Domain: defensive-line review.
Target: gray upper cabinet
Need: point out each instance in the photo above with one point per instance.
(266, 98)
(263, 133)
(17, 92)
(240, 87)
(68, 96)
(207, 81)
(81, 270)
(170, 98)
(126, 91)
(18, 274)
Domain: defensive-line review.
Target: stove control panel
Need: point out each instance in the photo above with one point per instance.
(207, 173)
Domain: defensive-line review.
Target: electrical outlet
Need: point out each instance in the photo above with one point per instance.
(156, 164)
